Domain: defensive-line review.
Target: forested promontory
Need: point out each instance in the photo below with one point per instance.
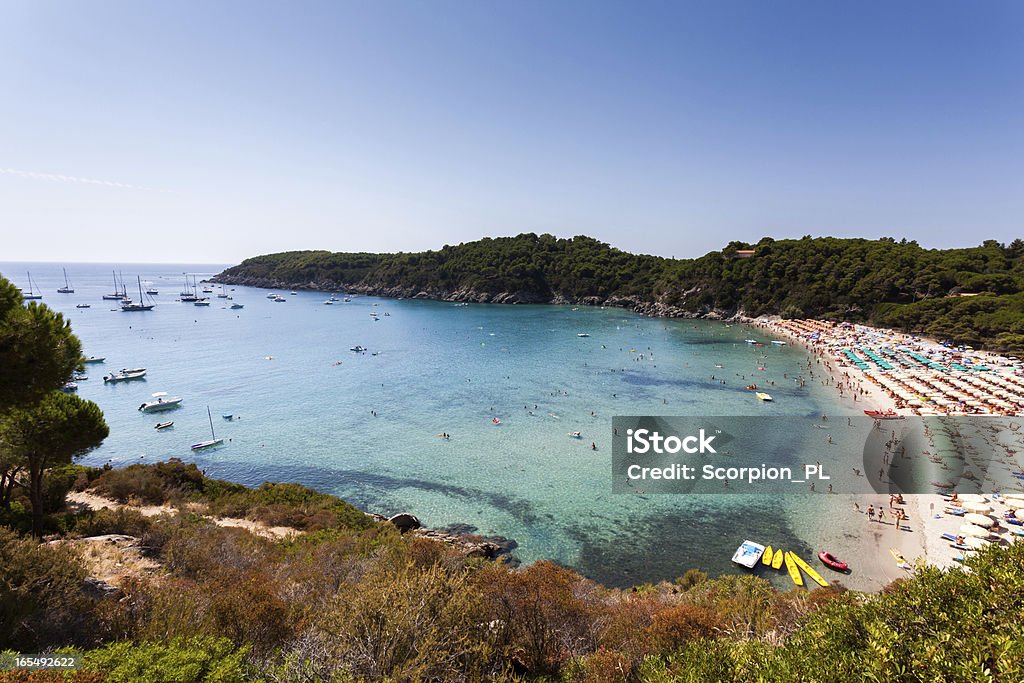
(972, 295)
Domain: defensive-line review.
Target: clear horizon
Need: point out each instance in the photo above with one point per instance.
(151, 133)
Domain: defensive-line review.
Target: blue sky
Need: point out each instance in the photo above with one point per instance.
(211, 131)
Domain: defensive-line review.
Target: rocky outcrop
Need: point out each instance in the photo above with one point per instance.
(489, 548)
(405, 521)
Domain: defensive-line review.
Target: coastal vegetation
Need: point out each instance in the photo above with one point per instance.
(971, 295)
(161, 589)
(359, 600)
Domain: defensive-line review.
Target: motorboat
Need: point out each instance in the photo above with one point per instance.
(278, 299)
(69, 388)
(763, 396)
(201, 302)
(778, 342)
(93, 359)
(750, 341)
(82, 306)
(125, 375)
(582, 334)
(358, 349)
(748, 554)
(272, 296)
(329, 302)
(163, 425)
(162, 402)
(237, 306)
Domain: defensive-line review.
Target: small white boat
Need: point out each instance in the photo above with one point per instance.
(278, 299)
(69, 388)
(211, 442)
(347, 300)
(237, 306)
(778, 342)
(125, 375)
(750, 341)
(582, 334)
(576, 435)
(763, 396)
(82, 306)
(272, 296)
(328, 303)
(358, 349)
(93, 359)
(201, 302)
(294, 293)
(164, 425)
(162, 402)
(748, 554)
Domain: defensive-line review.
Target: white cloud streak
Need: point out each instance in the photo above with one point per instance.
(58, 177)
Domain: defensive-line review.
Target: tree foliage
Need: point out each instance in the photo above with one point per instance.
(890, 282)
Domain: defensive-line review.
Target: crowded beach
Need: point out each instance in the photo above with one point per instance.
(920, 376)
(901, 375)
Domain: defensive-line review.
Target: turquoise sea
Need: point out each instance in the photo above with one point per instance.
(365, 426)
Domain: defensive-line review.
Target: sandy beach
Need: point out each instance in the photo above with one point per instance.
(930, 516)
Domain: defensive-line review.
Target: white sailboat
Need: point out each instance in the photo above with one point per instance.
(213, 440)
(128, 306)
(67, 288)
(30, 295)
(116, 295)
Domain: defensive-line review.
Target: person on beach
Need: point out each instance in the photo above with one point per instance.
(871, 512)
(881, 515)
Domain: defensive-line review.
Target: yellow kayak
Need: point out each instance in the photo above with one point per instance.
(779, 556)
(766, 559)
(901, 561)
(815, 576)
(794, 571)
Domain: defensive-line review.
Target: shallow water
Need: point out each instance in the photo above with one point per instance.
(303, 401)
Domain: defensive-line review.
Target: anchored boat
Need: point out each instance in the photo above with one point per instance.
(162, 402)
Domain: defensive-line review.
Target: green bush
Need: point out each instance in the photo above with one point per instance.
(192, 660)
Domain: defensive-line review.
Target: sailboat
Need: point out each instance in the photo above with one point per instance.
(188, 295)
(30, 295)
(67, 288)
(211, 442)
(128, 306)
(116, 296)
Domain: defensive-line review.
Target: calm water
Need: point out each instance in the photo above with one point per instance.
(303, 405)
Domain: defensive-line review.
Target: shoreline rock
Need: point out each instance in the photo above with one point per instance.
(654, 309)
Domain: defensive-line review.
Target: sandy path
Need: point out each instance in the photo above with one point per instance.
(93, 502)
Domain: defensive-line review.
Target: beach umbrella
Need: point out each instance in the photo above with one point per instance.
(980, 520)
(973, 530)
(980, 508)
(973, 498)
(1019, 514)
(976, 543)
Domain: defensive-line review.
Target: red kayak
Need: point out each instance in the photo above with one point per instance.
(832, 562)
